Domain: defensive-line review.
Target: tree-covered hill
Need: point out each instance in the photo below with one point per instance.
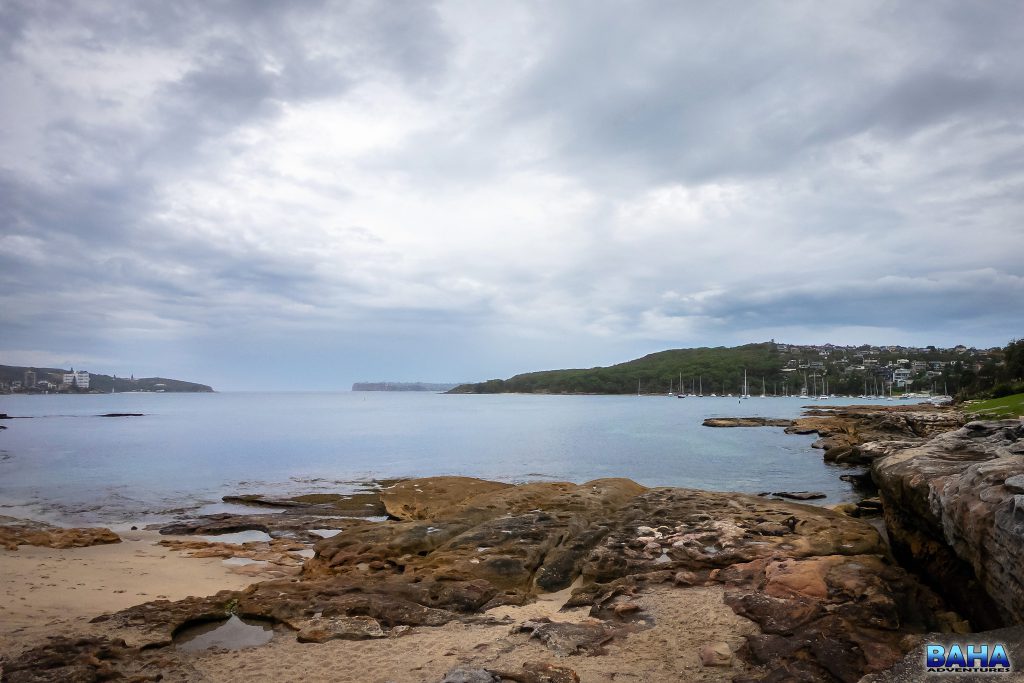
(716, 370)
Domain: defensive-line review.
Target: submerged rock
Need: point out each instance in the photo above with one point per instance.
(747, 422)
(797, 495)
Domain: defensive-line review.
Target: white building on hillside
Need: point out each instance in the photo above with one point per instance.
(78, 379)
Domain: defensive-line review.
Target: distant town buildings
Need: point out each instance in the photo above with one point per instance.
(78, 379)
(33, 380)
(902, 367)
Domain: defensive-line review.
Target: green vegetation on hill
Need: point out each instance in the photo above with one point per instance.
(786, 369)
(717, 370)
(1007, 406)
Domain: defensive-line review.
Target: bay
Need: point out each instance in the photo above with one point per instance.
(69, 466)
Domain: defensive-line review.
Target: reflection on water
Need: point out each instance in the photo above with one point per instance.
(241, 562)
(325, 533)
(234, 634)
(239, 537)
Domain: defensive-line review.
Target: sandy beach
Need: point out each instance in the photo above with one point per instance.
(49, 591)
(670, 652)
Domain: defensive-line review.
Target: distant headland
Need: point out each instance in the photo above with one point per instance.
(404, 386)
(33, 380)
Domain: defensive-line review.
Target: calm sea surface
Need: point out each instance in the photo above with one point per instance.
(188, 450)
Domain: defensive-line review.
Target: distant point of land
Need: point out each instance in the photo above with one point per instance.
(404, 386)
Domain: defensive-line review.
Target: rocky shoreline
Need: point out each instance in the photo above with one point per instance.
(951, 494)
(628, 576)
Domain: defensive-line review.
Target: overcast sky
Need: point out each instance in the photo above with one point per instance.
(271, 195)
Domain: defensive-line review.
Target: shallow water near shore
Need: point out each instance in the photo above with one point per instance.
(231, 634)
(188, 450)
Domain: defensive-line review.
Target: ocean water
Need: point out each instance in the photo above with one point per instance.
(69, 466)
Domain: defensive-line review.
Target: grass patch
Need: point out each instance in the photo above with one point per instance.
(1007, 406)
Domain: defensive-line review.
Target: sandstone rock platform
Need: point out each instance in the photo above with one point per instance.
(811, 594)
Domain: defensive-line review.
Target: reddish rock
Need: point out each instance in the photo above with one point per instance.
(15, 532)
(715, 654)
(322, 629)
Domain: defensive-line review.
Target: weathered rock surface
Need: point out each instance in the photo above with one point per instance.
(363, 502)
(435, 497)
(464, 675)
(953, 506)
(844, 429)
(747, 422)
(277, 558)
(285, 525)
(15, 532)
(89, 660)
(566, 639)
(828, 604)
(322, 629)
(716, 654)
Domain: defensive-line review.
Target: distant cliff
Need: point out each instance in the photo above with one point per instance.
(99, 384)
(403, 386)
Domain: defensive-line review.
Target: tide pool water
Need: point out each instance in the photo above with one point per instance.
(188, 450)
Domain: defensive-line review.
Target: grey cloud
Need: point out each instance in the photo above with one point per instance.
(870, 155)
(913, 302)
(696, 92)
